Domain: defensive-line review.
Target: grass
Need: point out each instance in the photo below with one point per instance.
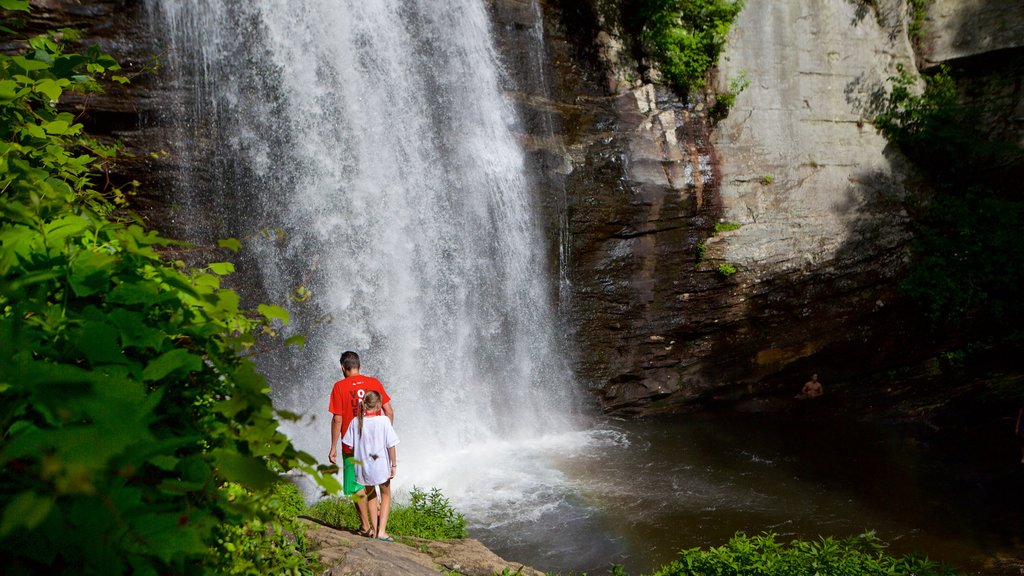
(428, 515)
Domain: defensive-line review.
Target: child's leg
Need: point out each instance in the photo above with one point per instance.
(371, 505)
(385, 509)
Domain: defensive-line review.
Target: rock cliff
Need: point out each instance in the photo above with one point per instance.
(658, 320)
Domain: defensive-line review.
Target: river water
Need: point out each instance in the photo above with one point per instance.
(636, 492)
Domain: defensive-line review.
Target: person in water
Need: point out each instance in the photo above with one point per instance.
(1019, 428)
(372, 438)
(344, 404)
(812, 388)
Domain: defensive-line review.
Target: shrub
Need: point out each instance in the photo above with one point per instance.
(686, 36)
(272, 543)
(724, 102)
(969, 262)
(125, 403)
(762, 556)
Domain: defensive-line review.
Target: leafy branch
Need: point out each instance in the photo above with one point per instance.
(127, 407)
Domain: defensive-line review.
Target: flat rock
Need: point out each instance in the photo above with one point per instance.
(346, 554)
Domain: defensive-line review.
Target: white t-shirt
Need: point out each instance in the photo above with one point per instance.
(371, 448)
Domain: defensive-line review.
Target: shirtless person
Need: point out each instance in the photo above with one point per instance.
(812, 389)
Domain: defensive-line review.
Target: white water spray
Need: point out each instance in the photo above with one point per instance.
(376, 135)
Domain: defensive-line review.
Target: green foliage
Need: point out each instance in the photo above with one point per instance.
(763, 556)
(686, 36)
(427, 515)
(918, 14)
(724, 102)
(124, 402)
(726, 226)
(272, 542)
(726, 269)
(287, 498)
(970, 261)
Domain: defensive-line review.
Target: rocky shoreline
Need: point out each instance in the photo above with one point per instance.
(343, 553)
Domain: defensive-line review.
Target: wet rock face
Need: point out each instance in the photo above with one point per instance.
(122, 113)
(658, 323)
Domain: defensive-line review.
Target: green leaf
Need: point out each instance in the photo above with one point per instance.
(230, 243)
(26, 511)
(29, 65)
(177, 359)
(8, 89)
(56, 127)
(136, 292)
(222, 268)
(236, 467)
(63, 227)
(296, 340)
(99, 342)
(20, 5)
(52, 89)
(90, 272)
(134, 331)
(167, 535)
(272, 311)
(35, 131)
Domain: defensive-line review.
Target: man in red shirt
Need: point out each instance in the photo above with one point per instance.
(344, 404)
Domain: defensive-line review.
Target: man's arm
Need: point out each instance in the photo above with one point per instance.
(335, 432)
(389, 412)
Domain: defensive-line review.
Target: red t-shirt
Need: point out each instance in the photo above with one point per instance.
(347, 394)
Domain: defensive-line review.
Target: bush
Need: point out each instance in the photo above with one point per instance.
(427, 515)
(272, 543)
(762, 556)
(969, 261)
(288, 499)
(686, 36)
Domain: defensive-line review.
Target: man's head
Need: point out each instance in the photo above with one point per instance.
(349, 361)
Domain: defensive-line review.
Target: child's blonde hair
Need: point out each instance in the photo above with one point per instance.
(371, 401)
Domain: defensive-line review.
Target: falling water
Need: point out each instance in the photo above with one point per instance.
(367, 149)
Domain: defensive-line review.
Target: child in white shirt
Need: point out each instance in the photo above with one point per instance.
(373, 440)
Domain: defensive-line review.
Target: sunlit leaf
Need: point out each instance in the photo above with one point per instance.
(178, 359)
(222, 268)
(273, 312)
(20, 5)
(230, 243)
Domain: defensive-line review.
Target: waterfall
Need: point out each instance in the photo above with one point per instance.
(368, 151)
